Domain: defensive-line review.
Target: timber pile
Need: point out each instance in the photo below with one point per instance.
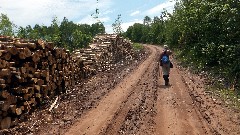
(33, 71)
(84, 61)
(30, 72)
(104, 53)
(118, 48)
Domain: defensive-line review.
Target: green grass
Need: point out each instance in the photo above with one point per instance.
(137, 46)
(228, 96)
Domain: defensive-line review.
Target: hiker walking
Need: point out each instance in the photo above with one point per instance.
(165, 63)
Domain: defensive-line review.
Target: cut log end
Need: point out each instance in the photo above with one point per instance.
(6, 123)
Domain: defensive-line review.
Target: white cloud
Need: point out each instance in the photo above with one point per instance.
(134, 13)
(168, 5)
(90, 20)
(109, 29)
(106, 12)
(31, 12)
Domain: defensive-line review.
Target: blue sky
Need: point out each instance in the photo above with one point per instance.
(31, 12)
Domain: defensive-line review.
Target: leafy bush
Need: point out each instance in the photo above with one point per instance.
(208, 36)
(137, 46)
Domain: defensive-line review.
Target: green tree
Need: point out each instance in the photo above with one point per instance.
(6, 26)
(147, 21)
(67, 28)
(149, 32)
(22, 32)
(65, 34)
(137, 32)
(208, 34)
(97, 28)
(29, 31)
(145, 30)
(80, 40)
(129, 32)
(117, 28)
(86, 29)
(54, 32)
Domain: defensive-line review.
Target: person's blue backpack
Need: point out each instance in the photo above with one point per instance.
(165, 59)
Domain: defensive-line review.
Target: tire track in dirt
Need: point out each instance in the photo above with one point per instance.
(219, 117)
(137, 111)
(142, 105)
(156, 109)
(176, 114)
(97, 119)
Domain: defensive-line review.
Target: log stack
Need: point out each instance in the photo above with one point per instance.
(85, 63)
(33, 71)
(115, 47)
(103, 54)
(30, 72)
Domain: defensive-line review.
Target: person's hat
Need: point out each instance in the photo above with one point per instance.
(165, 47)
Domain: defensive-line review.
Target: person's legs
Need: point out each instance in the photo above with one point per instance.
(166, 70)
(165, 77)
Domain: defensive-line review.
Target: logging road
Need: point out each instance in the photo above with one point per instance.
(131, 99)
(141, 104)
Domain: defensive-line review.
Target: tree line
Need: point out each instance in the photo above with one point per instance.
(64, 34)
(205, 33)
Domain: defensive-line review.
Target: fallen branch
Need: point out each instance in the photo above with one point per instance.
(53, 104)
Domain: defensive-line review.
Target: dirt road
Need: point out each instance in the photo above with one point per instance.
(141, 104)
(132, 99)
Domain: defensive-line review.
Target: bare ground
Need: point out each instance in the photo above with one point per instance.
(133, 100)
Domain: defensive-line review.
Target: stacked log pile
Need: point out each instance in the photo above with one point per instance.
(33, 71)
(103, 54)
(30, 72)
(84, 63)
